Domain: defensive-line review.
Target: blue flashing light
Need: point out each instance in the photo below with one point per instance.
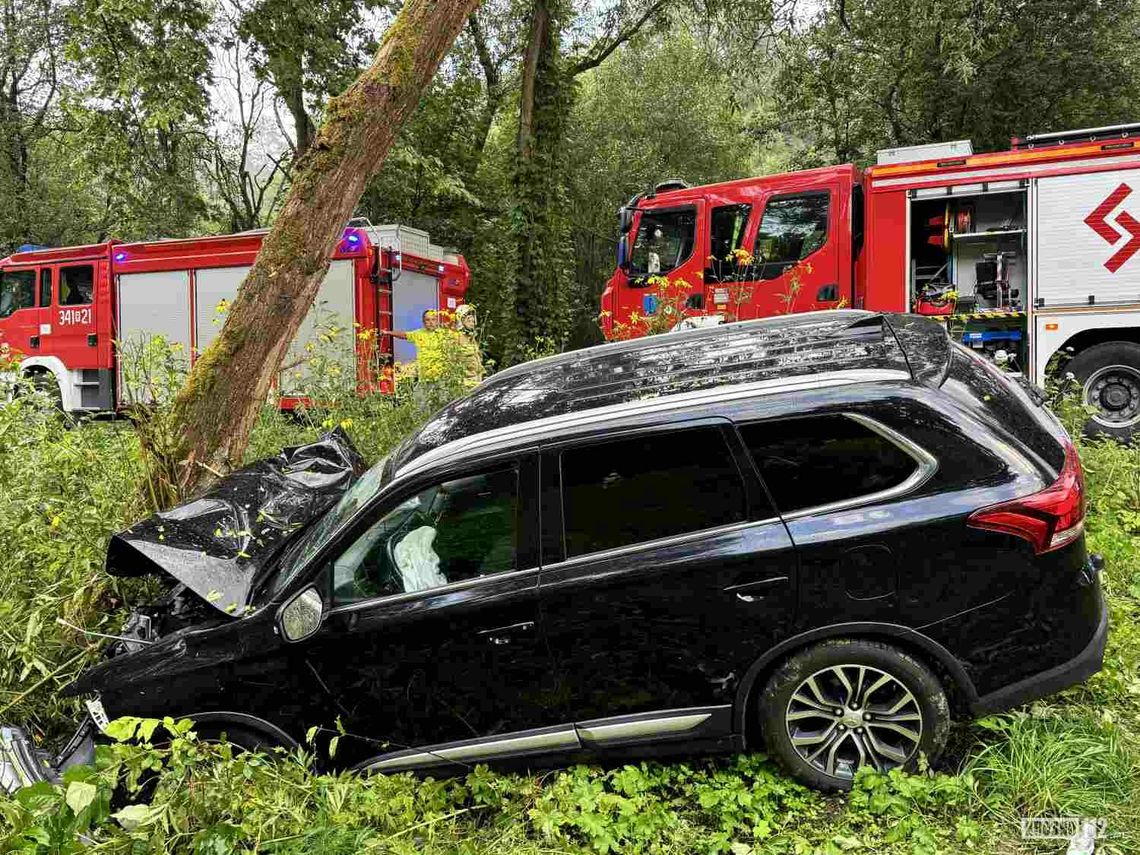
(353, 238)
(120, 256)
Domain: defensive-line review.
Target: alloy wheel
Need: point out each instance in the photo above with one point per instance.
(847, 716)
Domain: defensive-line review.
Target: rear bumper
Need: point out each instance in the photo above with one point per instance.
(1079, 668)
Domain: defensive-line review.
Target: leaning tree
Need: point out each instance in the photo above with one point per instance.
(213, 414)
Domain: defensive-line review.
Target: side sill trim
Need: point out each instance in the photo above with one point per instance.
(547, 740)
(562, 739)
(663, 724)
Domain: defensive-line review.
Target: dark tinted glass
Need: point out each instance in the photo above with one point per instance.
(447, 533)
(639, 489)
(45, 287)
(822, 459)
(76, 285)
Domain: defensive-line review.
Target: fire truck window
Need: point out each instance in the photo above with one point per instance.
(664, 241)
(726, 233)
(76, 285)
(641, 489)
(17, 291)
(45, 287)
(793, 228)
(808, 462)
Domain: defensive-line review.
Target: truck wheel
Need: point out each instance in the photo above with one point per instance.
(843, 704)
(1109, 377)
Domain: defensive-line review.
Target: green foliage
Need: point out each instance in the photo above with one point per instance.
(864, 76)
(65, 487)
(138, 101)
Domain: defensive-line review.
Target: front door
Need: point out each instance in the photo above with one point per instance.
(19, 315)
(676, 574)
(433, 635)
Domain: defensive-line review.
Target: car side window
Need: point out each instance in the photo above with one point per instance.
(449, 532)
(817, 460)
(642, 488)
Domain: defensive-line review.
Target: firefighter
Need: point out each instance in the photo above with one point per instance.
(466, 324)
(430, 341)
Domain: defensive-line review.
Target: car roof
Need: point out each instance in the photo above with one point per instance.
(671, 368)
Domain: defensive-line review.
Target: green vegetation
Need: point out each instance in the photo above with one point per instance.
(65, 488)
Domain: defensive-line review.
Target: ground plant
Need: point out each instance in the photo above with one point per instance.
(65, 486)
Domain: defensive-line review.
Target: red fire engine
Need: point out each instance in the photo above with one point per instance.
(1027, 253)
(67, 314)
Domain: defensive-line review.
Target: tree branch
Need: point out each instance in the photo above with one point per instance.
(596, 57)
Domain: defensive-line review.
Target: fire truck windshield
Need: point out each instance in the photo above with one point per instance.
(17, 290)
(664, 241)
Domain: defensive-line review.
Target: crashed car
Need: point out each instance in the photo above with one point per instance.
(826, 535)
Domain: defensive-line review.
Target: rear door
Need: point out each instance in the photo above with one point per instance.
(841, 481)
(790, 258)
(73, 322)
(665, 575)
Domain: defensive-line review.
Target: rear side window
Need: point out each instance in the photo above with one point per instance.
(647, 487)
(792, 228)
(818, 460)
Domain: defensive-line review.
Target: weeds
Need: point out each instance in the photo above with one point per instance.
(64, 489)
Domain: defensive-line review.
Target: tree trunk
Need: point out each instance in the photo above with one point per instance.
(294, 98)
(216, 409)
(537, 43)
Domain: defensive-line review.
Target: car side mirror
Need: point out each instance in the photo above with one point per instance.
(301, 616)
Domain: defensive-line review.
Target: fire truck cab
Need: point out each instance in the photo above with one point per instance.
(69, 316)
(1029, 255)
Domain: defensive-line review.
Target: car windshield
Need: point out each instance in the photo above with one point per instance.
(326, 527)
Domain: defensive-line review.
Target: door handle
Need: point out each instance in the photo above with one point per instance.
(749, 592)
(502, 634)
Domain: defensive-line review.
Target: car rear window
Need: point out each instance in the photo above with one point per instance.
(819, 460)
(647, 487)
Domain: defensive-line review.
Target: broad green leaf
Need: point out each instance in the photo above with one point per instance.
(80, 795)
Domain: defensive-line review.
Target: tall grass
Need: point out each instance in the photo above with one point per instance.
(65, 488)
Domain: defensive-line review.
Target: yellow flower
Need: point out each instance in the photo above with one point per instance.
(346, 423)
(327, 423)
(56, 521)
(222, 306)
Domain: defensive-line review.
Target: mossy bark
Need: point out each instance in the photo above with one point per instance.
(216, 409)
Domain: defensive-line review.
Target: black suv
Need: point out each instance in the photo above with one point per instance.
(828, 534)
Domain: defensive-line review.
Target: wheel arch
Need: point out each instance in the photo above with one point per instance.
(1084, 339)
(219, 719)
(959, 687)
(30, 366)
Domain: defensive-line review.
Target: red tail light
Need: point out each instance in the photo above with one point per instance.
(1048, 519)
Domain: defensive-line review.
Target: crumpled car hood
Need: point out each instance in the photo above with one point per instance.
(216, 544)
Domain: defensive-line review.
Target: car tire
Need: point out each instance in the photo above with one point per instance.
(1108, 376)
(811, 727)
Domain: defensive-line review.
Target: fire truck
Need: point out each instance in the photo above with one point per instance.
(1031, 255)
(69, 315)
